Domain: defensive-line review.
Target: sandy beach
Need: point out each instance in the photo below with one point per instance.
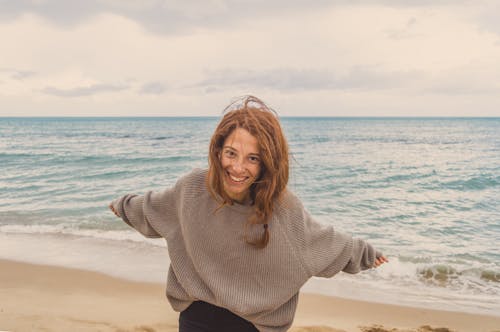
(47, 298)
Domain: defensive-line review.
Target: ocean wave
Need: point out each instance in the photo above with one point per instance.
(407, 177)
(16, 159)
(490, 276)
(425, 273)
(23, 155)
(442, 274)
(107, 175)
(69, 229)
(474, 183)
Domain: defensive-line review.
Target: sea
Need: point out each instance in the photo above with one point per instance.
(425, 191)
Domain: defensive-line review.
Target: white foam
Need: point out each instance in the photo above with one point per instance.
(68, 229)
(138, 261)
(398, 283)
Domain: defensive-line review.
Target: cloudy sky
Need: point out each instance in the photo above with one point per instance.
(191, 57)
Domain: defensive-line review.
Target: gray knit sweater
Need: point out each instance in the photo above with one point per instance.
(210, 260)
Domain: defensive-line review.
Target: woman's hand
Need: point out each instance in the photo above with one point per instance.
(113, 209)
(380, 260)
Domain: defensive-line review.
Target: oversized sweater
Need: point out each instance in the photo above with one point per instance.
(210, 260)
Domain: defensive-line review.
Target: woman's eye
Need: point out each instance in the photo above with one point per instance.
(230, 153)
(254, 160)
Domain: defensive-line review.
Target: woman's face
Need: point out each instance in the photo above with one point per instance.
(241, 164)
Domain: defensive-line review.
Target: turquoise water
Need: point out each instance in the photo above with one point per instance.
(423, 190)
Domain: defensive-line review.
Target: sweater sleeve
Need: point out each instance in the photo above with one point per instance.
(362, 258)
(143, 212)
(325, 251)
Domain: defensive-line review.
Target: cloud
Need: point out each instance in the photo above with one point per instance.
(156, 15)
(84, 90)
(58, 11)
(406, 32)
(16, 74)
(465, 80)
(153, 88)
(469, 80)
(174, 16)
(359, 78)
(489, 18)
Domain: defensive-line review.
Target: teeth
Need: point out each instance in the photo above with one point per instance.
(236, 179)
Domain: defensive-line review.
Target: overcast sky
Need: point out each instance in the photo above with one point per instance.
(191, 57)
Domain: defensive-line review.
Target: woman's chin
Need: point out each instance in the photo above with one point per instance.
(236, 195)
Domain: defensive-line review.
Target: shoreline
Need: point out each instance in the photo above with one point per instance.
(51, 298)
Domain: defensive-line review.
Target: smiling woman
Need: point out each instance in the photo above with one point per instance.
(235, 232)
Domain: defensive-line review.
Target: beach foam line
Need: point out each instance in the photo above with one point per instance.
(70, 229)
(131, 260)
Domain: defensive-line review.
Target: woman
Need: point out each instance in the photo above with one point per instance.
(241, 244)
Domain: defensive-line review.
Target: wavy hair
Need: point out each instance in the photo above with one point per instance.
(253, 115)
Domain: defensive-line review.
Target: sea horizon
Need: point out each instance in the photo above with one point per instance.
(218, 116)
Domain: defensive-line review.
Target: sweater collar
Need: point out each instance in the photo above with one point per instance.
(241, 208)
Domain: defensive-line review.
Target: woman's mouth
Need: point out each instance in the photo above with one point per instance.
(237, 179)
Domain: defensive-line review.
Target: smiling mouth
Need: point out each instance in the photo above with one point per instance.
(238, 180)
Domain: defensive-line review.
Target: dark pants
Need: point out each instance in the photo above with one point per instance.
(204, 317)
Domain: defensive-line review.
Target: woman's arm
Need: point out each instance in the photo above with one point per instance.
(156, 214)
(363, 257)
(323, 250)
(131, 209)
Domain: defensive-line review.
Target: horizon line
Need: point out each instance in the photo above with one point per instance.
(282, 116)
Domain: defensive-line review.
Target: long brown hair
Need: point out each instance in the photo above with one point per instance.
(253, 115)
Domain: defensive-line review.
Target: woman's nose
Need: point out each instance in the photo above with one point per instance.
(238, 165)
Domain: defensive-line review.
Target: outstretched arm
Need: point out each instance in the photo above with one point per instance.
(131, 209)
(363, 256)
(323, 250)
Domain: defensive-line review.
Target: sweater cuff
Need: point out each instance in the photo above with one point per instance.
(118, 206)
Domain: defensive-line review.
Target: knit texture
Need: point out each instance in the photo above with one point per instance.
(211, 262)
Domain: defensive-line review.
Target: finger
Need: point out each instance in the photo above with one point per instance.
(113, 210)
(382, 259)
(379, 261)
